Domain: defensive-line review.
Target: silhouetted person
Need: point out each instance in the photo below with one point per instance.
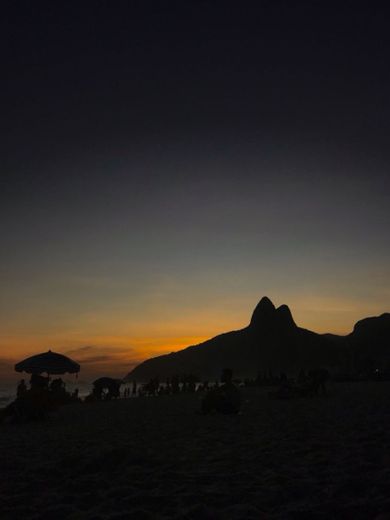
(318, 378)
(285, 390)
(113, 390)
(57, 385)
(38, 382)
(21, 389)
(32, 404)
(258, 381)
(175, 385)
(191, 383)
(134, 390)
(225, 398)
(302, 377)
(97, 393)
(57, 392)
(283, 379)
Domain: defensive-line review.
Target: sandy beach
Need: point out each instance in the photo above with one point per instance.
(145, 458)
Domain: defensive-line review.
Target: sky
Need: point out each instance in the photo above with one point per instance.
(164, 165)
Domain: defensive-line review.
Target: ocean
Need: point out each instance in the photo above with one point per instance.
(8, 390)
(7, 394)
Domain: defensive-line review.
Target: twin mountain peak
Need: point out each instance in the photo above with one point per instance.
(267, 315)
(272, 341)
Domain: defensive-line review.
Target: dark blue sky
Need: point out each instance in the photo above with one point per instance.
(165, 164)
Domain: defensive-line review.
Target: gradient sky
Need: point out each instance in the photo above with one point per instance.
(166, 164)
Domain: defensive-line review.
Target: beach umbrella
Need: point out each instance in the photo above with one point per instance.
(50, 362)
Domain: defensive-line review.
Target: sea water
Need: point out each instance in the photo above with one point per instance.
(8, 390)
(7, 393)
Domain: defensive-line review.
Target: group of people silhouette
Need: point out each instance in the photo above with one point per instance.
(172, 385)
(308, 384)
(222, 396)
(225, 398)
(36, 401)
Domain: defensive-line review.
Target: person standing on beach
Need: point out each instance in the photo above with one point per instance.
(21, 389)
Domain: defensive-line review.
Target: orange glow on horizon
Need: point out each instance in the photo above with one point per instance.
(102, 353)
(108, 355)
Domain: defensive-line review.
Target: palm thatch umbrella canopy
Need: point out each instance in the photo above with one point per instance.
(50, 362)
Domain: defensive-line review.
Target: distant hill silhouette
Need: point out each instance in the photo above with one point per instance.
(369, 342)
(271, 341)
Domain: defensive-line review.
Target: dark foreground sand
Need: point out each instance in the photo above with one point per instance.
(143, 458)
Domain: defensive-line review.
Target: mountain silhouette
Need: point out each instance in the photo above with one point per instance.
(369, 342)
(266, 316)
(271, 341)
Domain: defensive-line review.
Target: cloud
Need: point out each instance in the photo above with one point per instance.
(104, 357)
(88, 351)
(98, 359)
(79, 350)
(7, 371)
(95, 361)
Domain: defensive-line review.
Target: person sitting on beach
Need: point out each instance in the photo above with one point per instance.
(283, 380)
(224, 399)
(58, 393)
(29, 405)
(39, 383)
(33, 406)
(285, 390)
(318, 378)
(21, 389)
(57, 385)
